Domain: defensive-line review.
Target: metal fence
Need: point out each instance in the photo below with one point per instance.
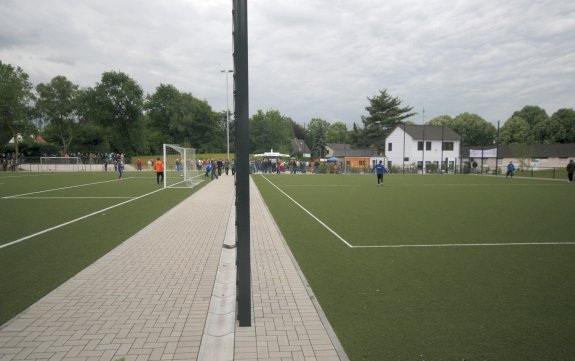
(34, 164)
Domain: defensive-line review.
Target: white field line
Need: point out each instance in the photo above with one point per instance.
(75, 197)
(308, 212)
(422, 185)
(76, 220)
(469, 245)
(420, 245)
(185, 181)
(58, 189)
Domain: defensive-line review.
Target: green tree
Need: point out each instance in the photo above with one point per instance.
(116, 103)
(15, 102)
(207, 128)
(270, 130)
(385, 112)
(562, 126)
(516, 130)
(165, 110)
(441, 120)
(181, 118)
(337, 132)
(56, 105)
(538, 121)
(474, 129)
(357, 136)
(316, 137)
(91, 138)
(298, 129)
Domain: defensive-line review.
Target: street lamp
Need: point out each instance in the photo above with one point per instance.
(227, 111)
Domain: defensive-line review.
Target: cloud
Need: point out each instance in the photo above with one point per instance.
(312, 58)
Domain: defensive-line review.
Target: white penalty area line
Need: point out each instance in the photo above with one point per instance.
(311, 214)
(418, 245)
(76, 220)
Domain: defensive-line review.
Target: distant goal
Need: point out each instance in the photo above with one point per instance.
(61, 164)
(180, 167)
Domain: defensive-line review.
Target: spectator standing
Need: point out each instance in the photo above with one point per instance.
(214, 169)
(570, 170)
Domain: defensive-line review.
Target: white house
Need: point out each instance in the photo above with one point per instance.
(422, 147)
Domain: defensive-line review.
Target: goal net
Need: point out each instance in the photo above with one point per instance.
(180, 167)
(61, 164)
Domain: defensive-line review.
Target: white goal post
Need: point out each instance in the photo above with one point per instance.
(61, 164)
(180, 167)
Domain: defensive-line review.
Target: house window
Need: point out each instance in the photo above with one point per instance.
(419, 145)
(406, 159)
(427, 145)
(389, 147)
(362, 162)
(447, 145)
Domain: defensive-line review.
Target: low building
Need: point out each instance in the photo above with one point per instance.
(422, 147)
(357, 159)
(524, 156)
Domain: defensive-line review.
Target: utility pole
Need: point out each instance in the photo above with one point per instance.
(227, 111)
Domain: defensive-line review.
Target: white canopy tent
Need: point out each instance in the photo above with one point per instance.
(271, 154)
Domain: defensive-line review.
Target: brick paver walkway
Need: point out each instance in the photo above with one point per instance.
(164, 294)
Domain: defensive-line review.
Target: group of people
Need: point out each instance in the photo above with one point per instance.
(213, 168)
(570, 170)
(158, 167)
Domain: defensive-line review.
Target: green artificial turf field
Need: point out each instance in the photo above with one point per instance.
(105, 211)
(435, 267)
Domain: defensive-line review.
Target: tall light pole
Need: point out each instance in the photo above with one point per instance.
(227, 111)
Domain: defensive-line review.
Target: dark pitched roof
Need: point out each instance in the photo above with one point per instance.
(558, 150)
(430, 132)
(299, 146)
(345, 150)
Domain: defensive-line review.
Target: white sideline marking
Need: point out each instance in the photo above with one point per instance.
(469, 245)
(58, 189)
(420, 245)
(75, 220)
(308, 212)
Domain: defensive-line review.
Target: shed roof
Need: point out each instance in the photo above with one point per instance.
(345, 150)
(299, 146)
(430, 132)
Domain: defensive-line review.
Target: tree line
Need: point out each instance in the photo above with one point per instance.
(116, 116)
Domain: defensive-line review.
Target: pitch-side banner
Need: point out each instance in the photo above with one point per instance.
(485, 153)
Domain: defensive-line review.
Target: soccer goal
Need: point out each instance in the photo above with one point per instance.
(180, 167)
(61, 164)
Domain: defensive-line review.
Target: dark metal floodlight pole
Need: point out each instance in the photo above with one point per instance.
(241, 94)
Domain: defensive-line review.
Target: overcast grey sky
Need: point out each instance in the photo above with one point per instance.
(312, 58)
